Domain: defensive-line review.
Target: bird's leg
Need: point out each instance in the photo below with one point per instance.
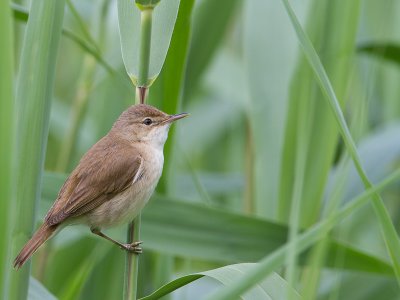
(134, 247)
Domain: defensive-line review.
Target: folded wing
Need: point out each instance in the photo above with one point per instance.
(106, 170)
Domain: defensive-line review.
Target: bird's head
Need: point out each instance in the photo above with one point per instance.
(145, 123)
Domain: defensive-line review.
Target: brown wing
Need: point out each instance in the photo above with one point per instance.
(106, 169)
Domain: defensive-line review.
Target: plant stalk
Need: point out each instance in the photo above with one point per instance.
(248, 206)
(144, 46)
(132, 260)
(146, 19)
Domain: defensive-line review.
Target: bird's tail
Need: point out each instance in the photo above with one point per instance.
(41, 235)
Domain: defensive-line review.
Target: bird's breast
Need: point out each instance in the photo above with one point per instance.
(126, 205)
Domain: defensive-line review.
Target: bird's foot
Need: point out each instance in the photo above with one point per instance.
(133, 247)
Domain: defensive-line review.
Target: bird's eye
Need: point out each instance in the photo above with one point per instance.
(147, 122)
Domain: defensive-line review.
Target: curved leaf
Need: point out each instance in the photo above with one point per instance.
(164, 18)
(273, 287)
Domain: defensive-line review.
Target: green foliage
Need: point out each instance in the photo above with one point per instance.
(315, 233)
(389, 232)
(206, 37)
(161, 32)
(387, 51)
(33, 101)
(266, 185)
(7, 134)
(272, 287)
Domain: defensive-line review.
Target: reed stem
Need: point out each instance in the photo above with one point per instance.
(132, 260)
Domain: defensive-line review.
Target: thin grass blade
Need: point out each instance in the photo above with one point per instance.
(33, 101)
(388, 230)
(7, 149)
(334, 38)
(22, 14)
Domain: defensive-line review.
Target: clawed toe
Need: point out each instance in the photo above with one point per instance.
(137, 250)
(133, 247)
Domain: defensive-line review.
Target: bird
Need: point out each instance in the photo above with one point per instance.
(113, 180)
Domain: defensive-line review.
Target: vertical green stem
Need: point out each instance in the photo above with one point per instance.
(132, 260)
(144, 46)
(249, 165)
(7, 126)
(146, 18)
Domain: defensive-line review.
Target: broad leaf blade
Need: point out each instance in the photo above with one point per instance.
(33, 100)
(164, 17)
(273, 287)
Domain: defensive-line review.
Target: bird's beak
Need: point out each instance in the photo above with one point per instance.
(173, 118)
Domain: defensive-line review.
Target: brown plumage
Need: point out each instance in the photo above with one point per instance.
(113, 180)
(41, 235)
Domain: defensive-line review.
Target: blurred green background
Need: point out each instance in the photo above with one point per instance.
(259, 160)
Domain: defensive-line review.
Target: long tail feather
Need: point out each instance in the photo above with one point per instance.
(41, 235)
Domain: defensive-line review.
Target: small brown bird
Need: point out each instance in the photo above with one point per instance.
(113, 181)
